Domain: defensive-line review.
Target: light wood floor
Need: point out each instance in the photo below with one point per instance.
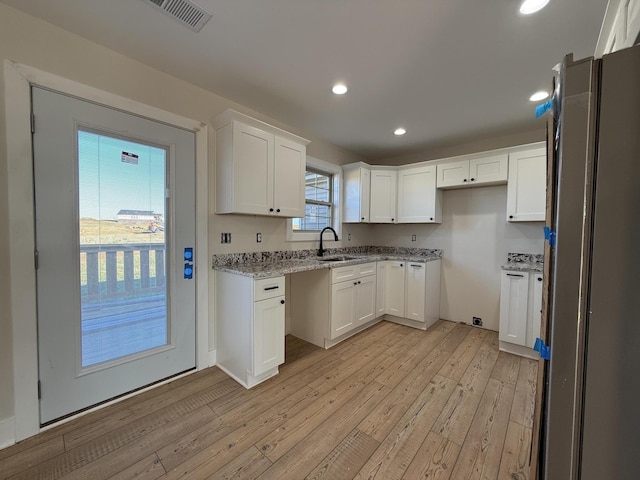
(390, 403)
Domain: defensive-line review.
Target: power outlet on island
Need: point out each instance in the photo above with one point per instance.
(477, 321)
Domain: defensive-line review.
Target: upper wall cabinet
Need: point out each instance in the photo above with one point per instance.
(620, 28)
(489, 170)
(357, 187)
(526, 189)
(384, 196)
(260, 169)
(418, 199)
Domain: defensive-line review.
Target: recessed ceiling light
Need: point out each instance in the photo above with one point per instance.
(532, 6)
(536, 97)
(399, 131)
(339, 89)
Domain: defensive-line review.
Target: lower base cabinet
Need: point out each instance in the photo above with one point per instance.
(411, 294)
(249, 327)
(327, 306)
(520, 311)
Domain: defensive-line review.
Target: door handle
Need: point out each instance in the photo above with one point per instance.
(514, 275)
(266, 289)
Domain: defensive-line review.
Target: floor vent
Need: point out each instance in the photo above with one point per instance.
(184, 11)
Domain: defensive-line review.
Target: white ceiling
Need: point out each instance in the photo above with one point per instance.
(446, 70)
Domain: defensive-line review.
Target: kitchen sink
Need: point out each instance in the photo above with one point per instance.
(336, 258)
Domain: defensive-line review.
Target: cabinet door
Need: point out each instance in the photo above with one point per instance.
(536, 310)
(357, 186)
(290, 160)
(365, 302)
(417, 196)
(415, 291)
(514, 296)
(342, 307)
(381, 288)
(395, 288)
(453, 174)
(489, 170)
(526, 189)
(268, 334)
(384, 192)
(253, 166)
(365, 195)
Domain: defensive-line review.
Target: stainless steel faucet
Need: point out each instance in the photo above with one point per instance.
(321, 251)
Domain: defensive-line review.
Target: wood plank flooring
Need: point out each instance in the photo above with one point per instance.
(390, 403)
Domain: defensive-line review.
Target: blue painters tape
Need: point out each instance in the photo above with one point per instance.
(550, 236)
(544, 108)
(542, 349)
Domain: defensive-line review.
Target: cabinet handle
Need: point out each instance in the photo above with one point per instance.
(464, 180)
(359, 282)
(393, 219)
(539, 279)
(514, 275)
(402, 264)
(510, 216)
(282, 302)
(355, 283)
(271, 209)
(416, 266)
(362, 218)
(278, 211)
(271, 288)
(431, 218)
(473, 179)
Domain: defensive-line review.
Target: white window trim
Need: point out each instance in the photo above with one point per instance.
(336, 172)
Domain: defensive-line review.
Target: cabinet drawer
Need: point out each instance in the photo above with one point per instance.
(268, 288)
(351, 272)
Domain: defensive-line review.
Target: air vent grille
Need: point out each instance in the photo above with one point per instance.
(184, 11)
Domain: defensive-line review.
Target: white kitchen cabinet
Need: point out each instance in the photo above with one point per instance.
(249, 326)
(477, 171)
(418, 199)
(520, 311)
(620, 28)
(395, 294)
(415, 286)
(328, 306)
(384, 196)
(381, 288)
(268, 335)
(260, 169)
(526, 188)
(514, 298)
(290, 163)
(343, 297)
(353, 301)
(412, 293)
(357, 188)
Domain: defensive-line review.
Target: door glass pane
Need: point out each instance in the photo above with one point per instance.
(122, 247)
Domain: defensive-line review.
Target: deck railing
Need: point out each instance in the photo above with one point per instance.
(121, 270)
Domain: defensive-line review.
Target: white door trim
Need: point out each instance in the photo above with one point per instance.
(18, 80)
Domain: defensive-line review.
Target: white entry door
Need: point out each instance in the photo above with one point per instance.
(115, 230)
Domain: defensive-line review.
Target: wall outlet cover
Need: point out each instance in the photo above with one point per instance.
(477, 321)
(258, 237)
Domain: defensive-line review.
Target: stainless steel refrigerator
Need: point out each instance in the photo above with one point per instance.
(591, 407)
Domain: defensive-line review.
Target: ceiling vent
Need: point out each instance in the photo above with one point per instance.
(184, 11)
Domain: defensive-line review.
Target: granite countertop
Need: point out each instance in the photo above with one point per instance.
(273, 266)
(524, 262)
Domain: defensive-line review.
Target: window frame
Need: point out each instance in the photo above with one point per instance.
(335, 171)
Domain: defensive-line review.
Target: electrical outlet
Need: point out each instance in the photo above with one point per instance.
(348, 236)
(258, 237)
(477, 321)
(413, 238)
(225, 238)
(228, 238)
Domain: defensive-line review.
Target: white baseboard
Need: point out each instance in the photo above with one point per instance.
(212, 358)
(7, 432)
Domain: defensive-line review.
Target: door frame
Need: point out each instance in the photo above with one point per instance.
(18, 81)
